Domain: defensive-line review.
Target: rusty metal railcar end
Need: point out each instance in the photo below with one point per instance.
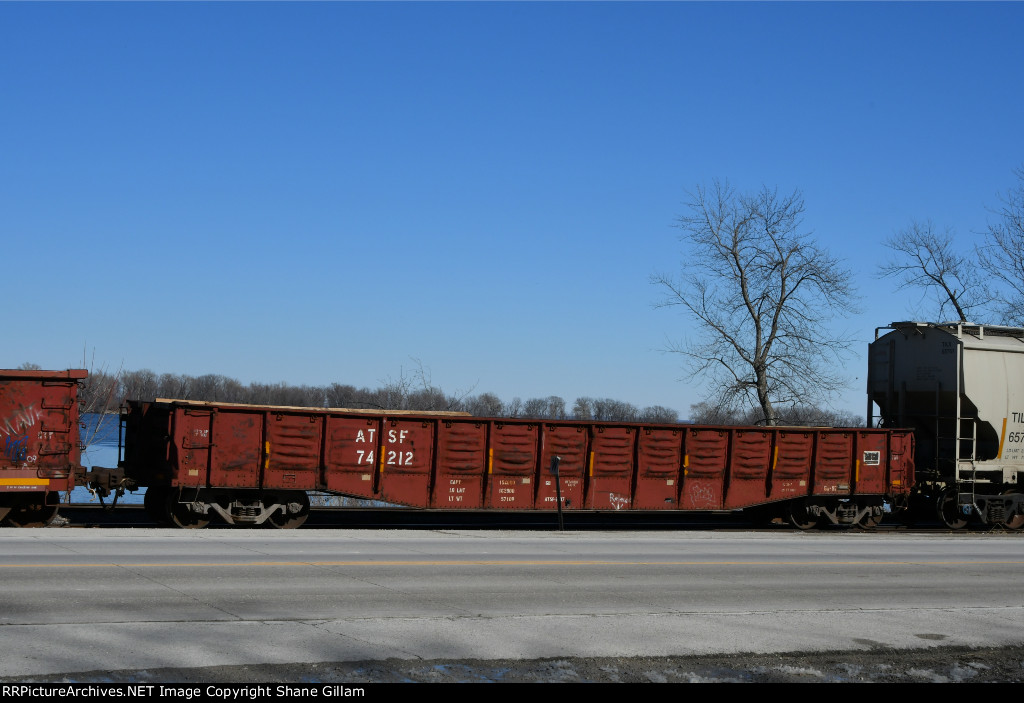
(40, 450)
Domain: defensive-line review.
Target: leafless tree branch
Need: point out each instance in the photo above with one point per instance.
(763, 294)
(927, 259)
(1002, 252)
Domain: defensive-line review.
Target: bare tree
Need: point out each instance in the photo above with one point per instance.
(714, 413)
(711, 413)
(658, 413)
(763, 294)
(1002, 253)
(583, 409)
(604, 410)
(550, 408)
(927, 259)
(514, 408)
(139, 385)
(484, 405)
(535, 408)
(813, 416)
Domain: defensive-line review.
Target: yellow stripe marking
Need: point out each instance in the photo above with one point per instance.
(1002, 436)
(266, 455)
(856, 471)
(775, 459)
(490, 460)
(591, 464)
(24, 482)
(532, 562)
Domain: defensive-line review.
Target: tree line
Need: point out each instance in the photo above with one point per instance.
(105, 392)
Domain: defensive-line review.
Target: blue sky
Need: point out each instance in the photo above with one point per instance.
(320, 192)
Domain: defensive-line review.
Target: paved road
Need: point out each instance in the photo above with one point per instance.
(87, 600)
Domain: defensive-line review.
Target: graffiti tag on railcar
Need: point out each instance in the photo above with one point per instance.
(618, 502)
(16, 448)
(21, 420)
(702, 495)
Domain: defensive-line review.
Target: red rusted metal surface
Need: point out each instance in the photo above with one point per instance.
(238, 452)
(569, 442)
(659, 456)
(405, 461)
(869, 470)
(748, 468)
(291, 450)
(705, 463)
(39, 442)
(791, 464)
(459, 462)
(350, 454)
(611, 461)
(901, 462)
(512, 465)
(833, 462)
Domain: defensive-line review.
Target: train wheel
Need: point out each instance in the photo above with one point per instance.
(182, 515)
(799, 517)
(1017, 521)
(870, 521)
(948, 508)
(296, 511)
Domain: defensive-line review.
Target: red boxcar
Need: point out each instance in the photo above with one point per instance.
(250, 464)
(40, 454)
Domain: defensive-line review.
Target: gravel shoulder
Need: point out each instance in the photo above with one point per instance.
(932, 665)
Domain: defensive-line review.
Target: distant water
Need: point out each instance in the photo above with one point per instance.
(99, 434)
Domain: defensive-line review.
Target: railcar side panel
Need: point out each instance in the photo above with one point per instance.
(791, 464)
(569, 442)
(236, 450)
(706, 460)
(512, 465)
(350, 455)
(901, 462)
(292, 450)
(870, 463)
(461, 459)
(610, 468)
(833, 462)
(748, 467)
(405, 461)
(191, 437)
(659, 462)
